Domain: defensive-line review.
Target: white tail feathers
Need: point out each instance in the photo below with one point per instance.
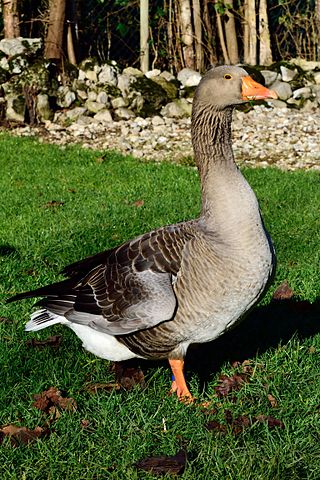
(43, 319)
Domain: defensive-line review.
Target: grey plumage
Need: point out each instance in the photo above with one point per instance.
(184, 283)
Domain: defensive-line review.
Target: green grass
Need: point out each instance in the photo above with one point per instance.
(98, 211)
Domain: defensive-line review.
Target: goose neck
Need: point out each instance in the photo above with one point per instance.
(211, 137)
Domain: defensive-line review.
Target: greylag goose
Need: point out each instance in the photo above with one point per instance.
(180, 284)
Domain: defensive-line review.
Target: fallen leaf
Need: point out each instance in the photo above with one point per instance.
(240, 423)
(94, 387)
(138, 203)
(128, 376)
(53, 203)
(228, 384)
(53, 342)
(22, 435)
(283, 292)
(270, 421)
(51, 400)
(312, 349)
(162, 464)
(84, 423)
(215, 426)
(273, 402)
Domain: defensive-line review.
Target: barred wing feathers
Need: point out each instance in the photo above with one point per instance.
(121, 290)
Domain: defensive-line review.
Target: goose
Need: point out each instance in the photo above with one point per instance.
(180, 284)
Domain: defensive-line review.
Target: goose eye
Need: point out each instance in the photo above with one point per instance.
(228, 76)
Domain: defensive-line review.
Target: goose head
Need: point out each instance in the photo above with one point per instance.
(228, 85)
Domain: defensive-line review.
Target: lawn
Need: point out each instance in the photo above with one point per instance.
(260, 382)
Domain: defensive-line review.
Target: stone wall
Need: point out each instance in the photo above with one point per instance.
(33, 91)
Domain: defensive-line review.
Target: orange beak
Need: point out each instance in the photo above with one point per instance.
(252, 90)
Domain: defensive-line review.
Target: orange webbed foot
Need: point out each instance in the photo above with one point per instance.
(179, 386)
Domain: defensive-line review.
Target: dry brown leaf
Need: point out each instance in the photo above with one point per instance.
(283, 292)
(273, 402)
(138, 203)
(215, 426)
(51, 400)
(84, 423)
(53, 341)
(229, 384)
(22, 435)
(128, 376)
(163, 464)
(270, 421)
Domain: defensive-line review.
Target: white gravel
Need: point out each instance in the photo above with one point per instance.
(288, 139)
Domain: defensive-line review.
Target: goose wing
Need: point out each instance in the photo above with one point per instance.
(122, 290)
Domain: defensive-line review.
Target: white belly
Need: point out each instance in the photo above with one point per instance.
(101, 344)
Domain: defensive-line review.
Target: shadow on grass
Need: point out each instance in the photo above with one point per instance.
(264, 328)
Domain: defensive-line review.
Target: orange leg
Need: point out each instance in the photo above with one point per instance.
(179, 385)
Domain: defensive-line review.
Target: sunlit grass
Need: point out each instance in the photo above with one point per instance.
(59, 205)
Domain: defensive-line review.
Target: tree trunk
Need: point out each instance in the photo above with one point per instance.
(209, 33)
(11, 19)
(250, 33)
(265, 53)
(186, 32)
(144, 35)
(231, 35)
(197, 34)
(318, 26)
(54, 39)
(222, 41)
(71, 33)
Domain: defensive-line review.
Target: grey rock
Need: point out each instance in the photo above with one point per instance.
(124, 113)
(20, 45)
(75, 113)
(177, 109)
(293, 101)
(153, 73)
(108, 74)
(65, 97)
(94, 107)
(132, 72)
(306, 65)
(288, 75)
(278, 103)
(103, 97)
(4, 63)
(157, 120)
(316, 76)
(92, 96)
(124, 82)
(119, 102)
(304, 92)
(16, 106)
(167, 76)
(91, 75)
(82, 94)
(104, 116)
(283, 89)
(43, 109)
(81, 75)
(189, 77)
(269, 77)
